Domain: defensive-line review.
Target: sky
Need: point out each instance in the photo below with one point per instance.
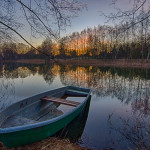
(89, 17)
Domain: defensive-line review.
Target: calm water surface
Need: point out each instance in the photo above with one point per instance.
(119, 112)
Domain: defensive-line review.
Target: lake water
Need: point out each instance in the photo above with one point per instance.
(119, 111)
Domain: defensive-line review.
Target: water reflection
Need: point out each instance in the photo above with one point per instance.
(125, 93)
(135, 130)
(128, 85)
(74, 130)
(47, 73)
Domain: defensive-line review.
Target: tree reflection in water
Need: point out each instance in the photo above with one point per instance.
(47, 73)
(128, 85)
(6, 87)
(135, 130)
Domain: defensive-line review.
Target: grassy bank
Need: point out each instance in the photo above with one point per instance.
(27, 61)
(48, 144)
(134, 63)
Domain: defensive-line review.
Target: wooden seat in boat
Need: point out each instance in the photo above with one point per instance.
(61, 101)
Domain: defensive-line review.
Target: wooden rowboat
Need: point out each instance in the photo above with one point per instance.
(39, 116)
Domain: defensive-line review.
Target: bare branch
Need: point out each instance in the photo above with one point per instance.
(23, 38)
(48, 29)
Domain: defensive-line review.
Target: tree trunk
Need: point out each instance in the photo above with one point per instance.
(148, 53)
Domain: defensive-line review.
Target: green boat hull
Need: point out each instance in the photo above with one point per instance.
(18, 138)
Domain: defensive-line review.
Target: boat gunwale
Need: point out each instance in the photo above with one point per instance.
(44, 123)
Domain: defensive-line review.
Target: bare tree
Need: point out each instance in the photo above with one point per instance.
(135, 18)
(45, 18)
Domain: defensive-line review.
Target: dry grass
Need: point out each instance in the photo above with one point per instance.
(48, 144)
(123, 63)
(134, 63)
(26, 61)
(31, 61)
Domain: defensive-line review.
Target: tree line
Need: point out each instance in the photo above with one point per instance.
(101, 42)
(107, 42)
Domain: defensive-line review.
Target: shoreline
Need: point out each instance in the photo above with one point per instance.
(121, 63)
(26, 61)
